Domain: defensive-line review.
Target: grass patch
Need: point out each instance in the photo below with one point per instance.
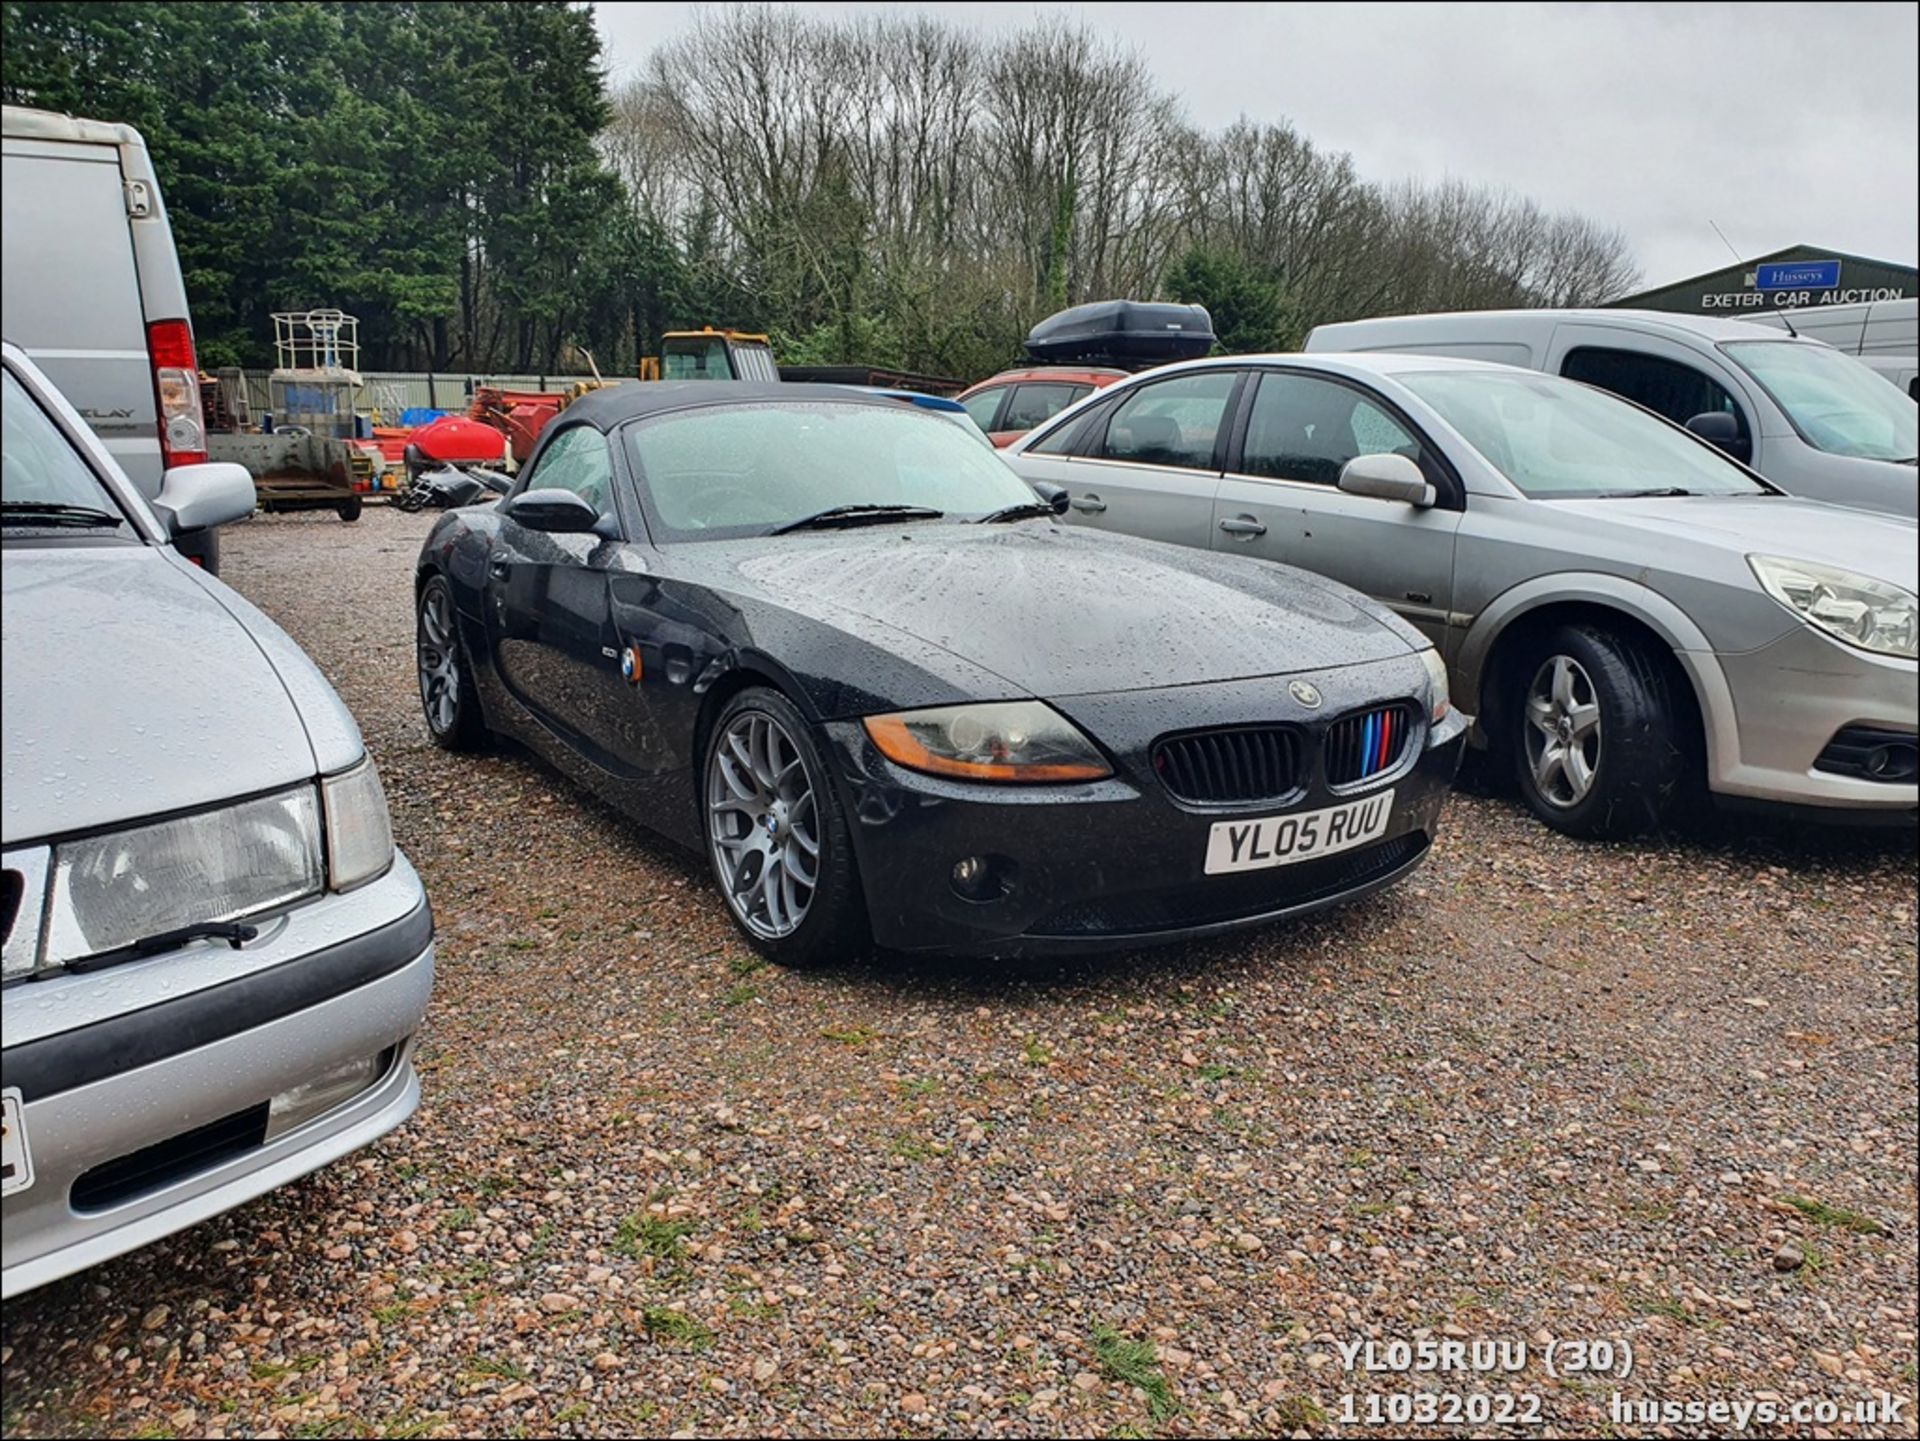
(459, 1218)
(739, 995)
(521, 943)
(1816, 1210)
(1214, 1071)
(855, 1036)
(916, 1086)
(909, 1146)
(1301, 1413)
(677, 1327)
(393, 1313)
(1134, 1363)
(652, 1236)
(478, 1365)
(1036, 1052)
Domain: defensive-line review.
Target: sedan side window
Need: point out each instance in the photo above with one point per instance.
(577, 460)
(1305, 428)
(1666, 387)
(1171, 422)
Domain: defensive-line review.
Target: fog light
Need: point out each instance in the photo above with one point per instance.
(972, 877)
(322, 1093)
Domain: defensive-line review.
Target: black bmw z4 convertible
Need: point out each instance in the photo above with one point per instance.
(833, 643)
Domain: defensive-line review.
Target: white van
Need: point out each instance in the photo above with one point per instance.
(90, 289)
(1884, 334)
(1815, 422)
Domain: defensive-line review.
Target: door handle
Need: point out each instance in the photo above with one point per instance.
(1243, 525)
(1089, 504)
(499, 569)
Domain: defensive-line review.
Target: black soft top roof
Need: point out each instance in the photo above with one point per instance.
(633, 400)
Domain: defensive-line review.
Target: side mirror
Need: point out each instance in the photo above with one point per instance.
(1054, 497)
(1386, 477)
(1717, 427)
(559, 511)
(195, 497)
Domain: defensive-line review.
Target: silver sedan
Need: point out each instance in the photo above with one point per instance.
(214, 960)
(1626, 609)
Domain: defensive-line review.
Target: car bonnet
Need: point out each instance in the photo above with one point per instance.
(130, 689)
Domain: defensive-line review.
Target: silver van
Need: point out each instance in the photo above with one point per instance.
(91, 290)
(1884, 334)
(1815, 422)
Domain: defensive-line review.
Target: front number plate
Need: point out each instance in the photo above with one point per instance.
(16, 1161)
(1252, 845)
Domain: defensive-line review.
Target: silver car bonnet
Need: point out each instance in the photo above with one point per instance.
(131, 688)
(1882, 547)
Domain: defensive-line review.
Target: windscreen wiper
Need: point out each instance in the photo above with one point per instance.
(858, 515)
(1653, 492)
(1022, 511)
(235, 933)
(52, 512)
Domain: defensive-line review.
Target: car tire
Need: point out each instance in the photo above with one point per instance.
(766, 799)
(1593, 731)
(349, 509)
(448, 697)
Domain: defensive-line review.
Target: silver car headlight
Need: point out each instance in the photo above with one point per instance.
(1874, 615)
(1439, 701)
(114, 890)
(359, 833)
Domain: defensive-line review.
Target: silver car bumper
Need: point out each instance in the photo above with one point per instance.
(152, 1118)
(1789, 700)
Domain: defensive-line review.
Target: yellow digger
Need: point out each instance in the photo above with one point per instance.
(709, 354)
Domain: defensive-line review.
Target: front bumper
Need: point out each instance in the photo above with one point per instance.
(1789, 700)
(144, 1121)
(1118, 863)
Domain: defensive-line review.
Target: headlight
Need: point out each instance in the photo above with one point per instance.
(1439, 701)
(112, 890)
(1874, 615)
(359, 835)
(1017, 741)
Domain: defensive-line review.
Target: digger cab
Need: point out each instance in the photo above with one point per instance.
(709, 354)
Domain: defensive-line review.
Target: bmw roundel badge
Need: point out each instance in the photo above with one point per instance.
(1307, 693)
(630, 664)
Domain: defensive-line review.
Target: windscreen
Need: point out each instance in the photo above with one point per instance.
(734, 470)
(1556, 439)
(1837, 404)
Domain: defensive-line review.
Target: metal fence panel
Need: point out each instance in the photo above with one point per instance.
(389, 392)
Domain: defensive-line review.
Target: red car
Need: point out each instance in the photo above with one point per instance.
(1006, 406)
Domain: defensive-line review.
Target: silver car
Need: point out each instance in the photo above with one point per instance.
(1627, 610)
(214, 959)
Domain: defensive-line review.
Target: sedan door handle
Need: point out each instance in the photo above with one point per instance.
(1244, 525)
(1089, 504)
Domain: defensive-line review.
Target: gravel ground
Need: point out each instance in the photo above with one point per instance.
(1545, 1091)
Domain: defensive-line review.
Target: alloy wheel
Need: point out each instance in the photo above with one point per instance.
(1563, 731)
(439, 659)
(763, 824)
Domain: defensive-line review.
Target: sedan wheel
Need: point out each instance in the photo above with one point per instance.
(778, 844)
(1563, 731)
(1596, 733)
(446, 688)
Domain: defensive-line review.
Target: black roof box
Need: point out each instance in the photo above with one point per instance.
(1127, 333)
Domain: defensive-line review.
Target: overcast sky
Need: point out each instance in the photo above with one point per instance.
(1783, 124)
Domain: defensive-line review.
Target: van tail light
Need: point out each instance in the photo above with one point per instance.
(176, 388)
